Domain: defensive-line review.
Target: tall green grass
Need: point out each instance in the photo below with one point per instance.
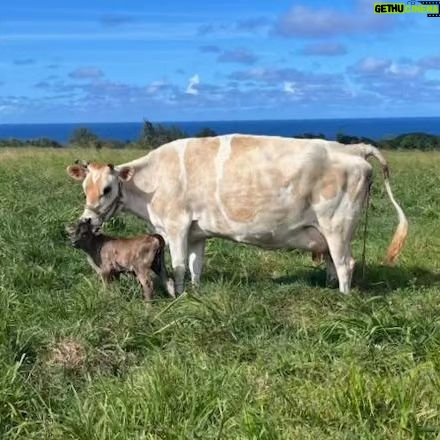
(263, 350)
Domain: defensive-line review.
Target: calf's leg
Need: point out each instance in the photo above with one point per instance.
(331, 279)
(106, 277)
(147, 285)
(160, 269)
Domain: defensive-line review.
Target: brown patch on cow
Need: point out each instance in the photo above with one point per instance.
(166, 200)
(238, 212)
(260, 170)
(240, 204)
(330, 185)
(243, 187)
(199, 161)
(93, 192)
(94, 184)
(68, 353)
(97, 166)
(241, 144)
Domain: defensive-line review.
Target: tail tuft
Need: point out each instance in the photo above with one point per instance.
(397, 243)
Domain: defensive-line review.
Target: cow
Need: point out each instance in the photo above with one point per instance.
(268, 191)
(111, 256)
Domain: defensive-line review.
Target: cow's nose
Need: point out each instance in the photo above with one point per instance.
(92, 219)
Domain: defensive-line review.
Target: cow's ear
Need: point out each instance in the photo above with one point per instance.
(77, 172)
(125, 173)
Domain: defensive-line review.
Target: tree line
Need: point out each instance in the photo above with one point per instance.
(153, 135)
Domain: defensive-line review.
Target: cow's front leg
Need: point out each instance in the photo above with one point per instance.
(196, 251)
(179, 250)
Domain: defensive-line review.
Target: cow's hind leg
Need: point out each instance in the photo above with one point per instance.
(339, 222)
(340, 252)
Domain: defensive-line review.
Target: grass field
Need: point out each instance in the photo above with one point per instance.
(262, 351)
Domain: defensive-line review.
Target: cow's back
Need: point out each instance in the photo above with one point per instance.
(234, 182)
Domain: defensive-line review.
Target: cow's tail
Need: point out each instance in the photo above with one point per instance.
(401, 233)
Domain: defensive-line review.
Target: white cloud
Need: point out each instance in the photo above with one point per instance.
(194, 81)
(386, 68)
(289, 87)
(312, 21)
(156, 86)
(372, 65)
(406, 71)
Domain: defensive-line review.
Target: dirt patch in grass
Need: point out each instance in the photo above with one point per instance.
(68, 353)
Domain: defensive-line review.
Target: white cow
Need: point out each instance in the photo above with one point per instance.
(268, 191)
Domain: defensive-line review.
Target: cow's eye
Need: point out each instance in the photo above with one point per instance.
(107, 189)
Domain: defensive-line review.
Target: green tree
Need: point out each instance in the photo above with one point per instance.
(348, 139)
(310, 136)
(418, 141)
(206, 132)
(85, 138)
(155, 135)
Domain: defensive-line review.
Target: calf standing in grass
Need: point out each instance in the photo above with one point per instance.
(111, 256)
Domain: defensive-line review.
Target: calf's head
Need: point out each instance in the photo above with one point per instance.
(102, 188)
(81, 234)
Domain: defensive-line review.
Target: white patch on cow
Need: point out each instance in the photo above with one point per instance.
(285, 194)
(337, 211)
(180, 149)
(95, 176)
(156, 223)
(224, 151)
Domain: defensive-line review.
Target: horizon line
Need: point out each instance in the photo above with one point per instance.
(216, 120)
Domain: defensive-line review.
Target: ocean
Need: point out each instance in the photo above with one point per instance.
(374, 128)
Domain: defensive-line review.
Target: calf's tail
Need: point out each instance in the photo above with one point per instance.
(160, 268)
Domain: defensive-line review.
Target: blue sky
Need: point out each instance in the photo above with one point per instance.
(99, 61)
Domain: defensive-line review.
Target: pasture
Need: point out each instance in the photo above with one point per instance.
(263, 350)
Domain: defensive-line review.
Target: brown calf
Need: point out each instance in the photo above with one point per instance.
(111, 256)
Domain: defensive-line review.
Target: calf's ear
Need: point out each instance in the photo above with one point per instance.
(125, 173)
(77, 172)
(70, 229)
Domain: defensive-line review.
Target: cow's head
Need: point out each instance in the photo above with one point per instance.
(102, 187)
